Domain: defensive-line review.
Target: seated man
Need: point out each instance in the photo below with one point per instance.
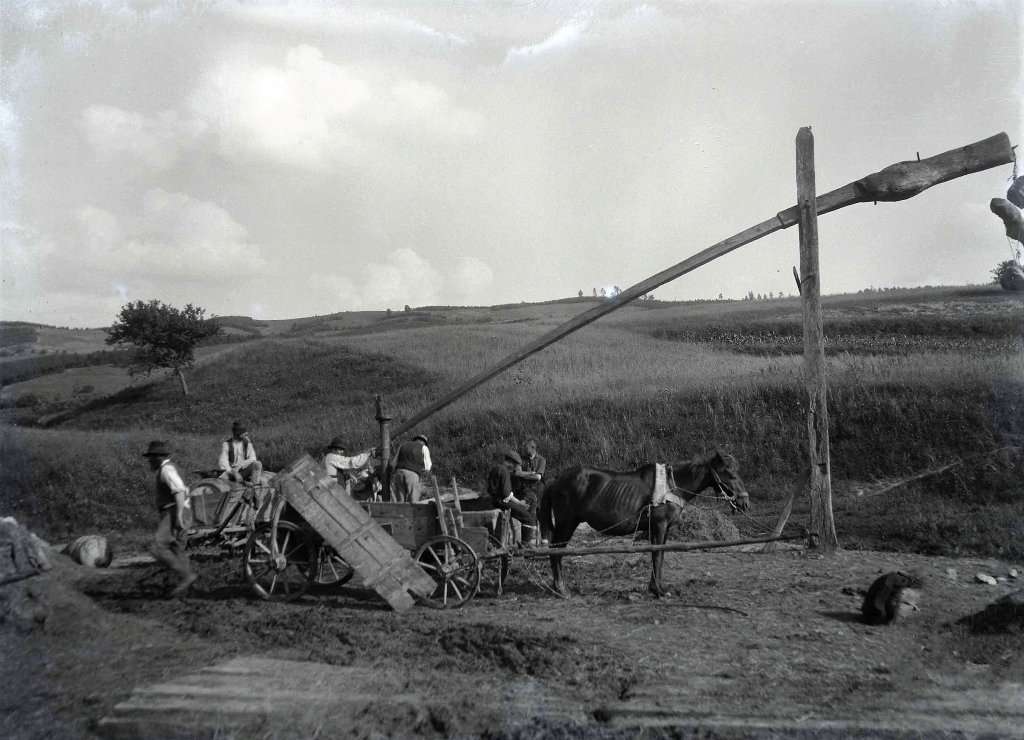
(238, 457)
(528, 480)
(345, 468)
(499, 488)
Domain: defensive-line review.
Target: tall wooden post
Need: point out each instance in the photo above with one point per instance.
(822, 522)
(384, 446)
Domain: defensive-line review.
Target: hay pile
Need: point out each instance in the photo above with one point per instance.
(704, 525)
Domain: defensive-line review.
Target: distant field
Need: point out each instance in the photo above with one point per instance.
(627, 390)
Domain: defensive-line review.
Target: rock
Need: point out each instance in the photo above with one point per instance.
(951, 574)
(92, 551)
(1004, 615)
(22, 554)
(1014, 573)
(983, 578)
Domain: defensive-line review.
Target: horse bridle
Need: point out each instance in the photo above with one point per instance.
(721, 487)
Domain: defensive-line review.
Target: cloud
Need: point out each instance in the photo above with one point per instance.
(157, 142)
(563, 39)
(334, 19)
(404, 278)
(173, 236)
(471, 280)
(311, 113)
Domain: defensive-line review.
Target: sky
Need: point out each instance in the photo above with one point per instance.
(286, 159)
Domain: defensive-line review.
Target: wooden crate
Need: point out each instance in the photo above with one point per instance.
(383, 564)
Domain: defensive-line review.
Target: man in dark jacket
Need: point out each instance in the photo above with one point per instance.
(528, 479)
(499, 488)
(410, 462)
(172, 502)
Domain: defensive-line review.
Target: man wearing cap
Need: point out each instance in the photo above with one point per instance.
(499, 488)
(528, 480)
(238, 456)
(344, 467)
(173, 504)
(410, 462)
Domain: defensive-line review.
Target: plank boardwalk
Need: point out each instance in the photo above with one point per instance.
(287, 698)
(382, 563)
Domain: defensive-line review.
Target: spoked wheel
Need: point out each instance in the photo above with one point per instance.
(286, 576)
(331, 568)
(454, 566)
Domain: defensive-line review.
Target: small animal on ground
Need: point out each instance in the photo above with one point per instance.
(889, 596)
(620, 503)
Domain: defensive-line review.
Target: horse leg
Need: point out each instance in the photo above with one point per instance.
(563, 532)
(659, 533)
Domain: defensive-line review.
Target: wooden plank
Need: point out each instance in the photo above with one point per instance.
(822, 522)
(344, 524)
(895, 182)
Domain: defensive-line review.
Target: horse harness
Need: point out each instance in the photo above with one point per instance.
(670, 496)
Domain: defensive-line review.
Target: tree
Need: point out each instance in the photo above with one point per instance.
(407, 309)
(595, 292)
(719, 296)
(1009, 275)
(163, 336)
(581, 294)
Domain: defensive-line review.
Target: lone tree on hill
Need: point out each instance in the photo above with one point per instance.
(163, 336)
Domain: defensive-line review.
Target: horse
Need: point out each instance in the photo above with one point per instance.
(621, 503)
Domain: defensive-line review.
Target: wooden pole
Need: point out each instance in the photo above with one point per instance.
(667, 547)
(822, 522)
(896, 182)
(384, 422)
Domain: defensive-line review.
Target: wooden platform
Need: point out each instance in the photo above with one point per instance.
(285, 698)
(381, 562)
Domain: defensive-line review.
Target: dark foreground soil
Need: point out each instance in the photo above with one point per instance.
(748, 636)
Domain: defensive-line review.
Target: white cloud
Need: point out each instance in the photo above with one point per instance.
(563, 39)
(155, 141)
(471, 280)
(311, 113)
(336, 19)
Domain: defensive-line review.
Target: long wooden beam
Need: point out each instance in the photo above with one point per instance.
(544, 552)
(896, 182)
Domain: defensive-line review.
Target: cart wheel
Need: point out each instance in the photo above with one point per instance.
(331, 568)
(455, 567)
(282, 579)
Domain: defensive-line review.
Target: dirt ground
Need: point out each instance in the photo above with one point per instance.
(749, 643)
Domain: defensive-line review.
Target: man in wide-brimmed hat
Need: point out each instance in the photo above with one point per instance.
(172, 502)
(348, 468)
(238, 456)
(498, 486)
(410, 462)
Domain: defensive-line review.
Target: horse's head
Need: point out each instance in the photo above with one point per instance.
(724, 475)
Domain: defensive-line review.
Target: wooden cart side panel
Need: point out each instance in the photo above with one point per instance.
(380, 561)
(409, 524)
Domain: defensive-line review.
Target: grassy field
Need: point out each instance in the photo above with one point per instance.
(937, 376)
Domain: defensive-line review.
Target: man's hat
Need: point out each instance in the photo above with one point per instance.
(421, 437)
(336, 444)
(238, 428)
(157, 449)
(513, 456)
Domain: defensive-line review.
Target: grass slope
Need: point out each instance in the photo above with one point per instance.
(616, 394)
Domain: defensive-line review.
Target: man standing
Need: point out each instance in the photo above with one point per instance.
(499, 488)
(238, 457)
(173, 504)
(410, 462)
(528, 480)
(348, 468)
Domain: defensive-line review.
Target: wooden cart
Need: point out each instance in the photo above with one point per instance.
(431, 552)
